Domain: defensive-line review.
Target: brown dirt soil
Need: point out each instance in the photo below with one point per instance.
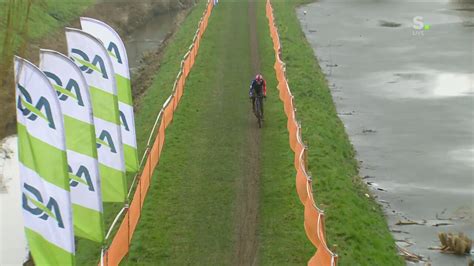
(246, 252)
(124, 17)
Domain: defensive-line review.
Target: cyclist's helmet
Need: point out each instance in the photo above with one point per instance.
(259, 78)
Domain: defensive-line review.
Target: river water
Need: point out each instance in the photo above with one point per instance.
(401, 74)
(13, 249)
(149, 37)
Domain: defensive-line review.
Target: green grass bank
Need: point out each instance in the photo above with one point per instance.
(22, 22)
(283, 240)
(354, 223)
(88, 252)
(43, 17)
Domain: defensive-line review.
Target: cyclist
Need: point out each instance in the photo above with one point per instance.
(258, 88)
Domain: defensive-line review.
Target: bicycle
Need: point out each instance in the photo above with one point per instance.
(258, 109)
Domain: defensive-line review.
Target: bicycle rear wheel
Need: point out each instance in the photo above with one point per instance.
(259, 111)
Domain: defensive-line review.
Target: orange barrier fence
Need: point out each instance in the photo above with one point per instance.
(119, 247)
(313, 216)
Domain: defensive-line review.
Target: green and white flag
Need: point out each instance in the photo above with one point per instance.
(118, 56)
(44, 175)
(73, 94)
(92, 58)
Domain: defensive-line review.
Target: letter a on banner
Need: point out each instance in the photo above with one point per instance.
(93, 60)
(44, 176)
(73, 94)
(118, 56)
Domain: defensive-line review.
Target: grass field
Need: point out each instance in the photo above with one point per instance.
(189, 215)
(191, 212)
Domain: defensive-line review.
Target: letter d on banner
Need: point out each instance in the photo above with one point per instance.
(93, 60)
(44, 176)
(118, 55)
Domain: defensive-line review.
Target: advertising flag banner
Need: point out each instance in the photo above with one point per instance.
(44, 175)
(92, 58)
(73, 94)
(118, 56)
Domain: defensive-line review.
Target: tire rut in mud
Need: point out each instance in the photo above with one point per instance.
(246, 252)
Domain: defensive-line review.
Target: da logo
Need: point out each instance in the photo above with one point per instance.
(114, 52)
(82, 176)
(71, 90)
(33, 203)
(105, 139)
(97, 63)
(41, 109)
(123, 121)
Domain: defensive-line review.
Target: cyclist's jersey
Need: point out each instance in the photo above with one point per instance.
(259, 89)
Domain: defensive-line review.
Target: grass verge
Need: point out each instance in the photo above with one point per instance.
(188, 217)
(88, 252)
(22, 21)
(353, 222)
(282, 237)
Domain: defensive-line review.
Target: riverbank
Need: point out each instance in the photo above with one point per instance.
(354, 221)
(408, 113)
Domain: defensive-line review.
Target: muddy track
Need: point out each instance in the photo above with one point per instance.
(248, 190)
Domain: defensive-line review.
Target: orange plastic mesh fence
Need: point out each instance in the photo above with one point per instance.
(313, 216)
(134, 211)
(120, 244)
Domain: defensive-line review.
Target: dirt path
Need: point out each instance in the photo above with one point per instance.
(248, 189)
